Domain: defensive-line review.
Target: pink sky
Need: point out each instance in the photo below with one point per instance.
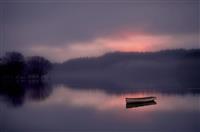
(121, 41)
(64, 31)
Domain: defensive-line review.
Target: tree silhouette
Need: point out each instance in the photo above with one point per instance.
(12, 64)
(16, 83)
(38, 66)
(1, 68)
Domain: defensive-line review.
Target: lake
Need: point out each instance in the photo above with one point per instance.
(63, 108)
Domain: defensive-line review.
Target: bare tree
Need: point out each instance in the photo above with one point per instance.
(13, 64)
(38, 66)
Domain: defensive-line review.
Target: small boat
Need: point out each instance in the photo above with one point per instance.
(140, 100)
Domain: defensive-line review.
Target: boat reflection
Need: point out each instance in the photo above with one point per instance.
(140, 104)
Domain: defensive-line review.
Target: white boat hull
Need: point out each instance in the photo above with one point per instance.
(140, 100)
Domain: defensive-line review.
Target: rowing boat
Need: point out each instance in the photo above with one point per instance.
(140, 100)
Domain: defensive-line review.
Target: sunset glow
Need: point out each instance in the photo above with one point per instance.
(126, 42)
(139, 43)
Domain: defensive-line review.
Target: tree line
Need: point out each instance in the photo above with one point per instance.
(13, 65)
(113, 59)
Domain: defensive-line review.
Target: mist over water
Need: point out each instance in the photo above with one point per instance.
(58, 107)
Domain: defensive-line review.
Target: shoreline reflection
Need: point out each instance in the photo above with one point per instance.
(102, 101)
(17, 93)
(72, 109)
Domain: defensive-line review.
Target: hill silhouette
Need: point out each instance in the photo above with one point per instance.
(164, 70)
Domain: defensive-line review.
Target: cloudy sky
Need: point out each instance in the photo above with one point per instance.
(61, 30)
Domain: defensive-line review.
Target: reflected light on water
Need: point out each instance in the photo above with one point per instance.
(94, 109)
(100, 100)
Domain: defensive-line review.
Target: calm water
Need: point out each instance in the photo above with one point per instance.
(61, 108)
